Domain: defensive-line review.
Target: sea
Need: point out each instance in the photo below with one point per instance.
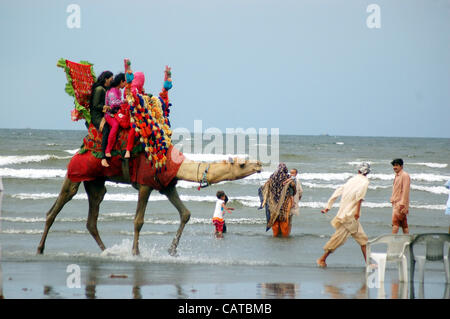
(33, 165)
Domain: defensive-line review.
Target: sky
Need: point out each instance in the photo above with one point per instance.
(305, 67)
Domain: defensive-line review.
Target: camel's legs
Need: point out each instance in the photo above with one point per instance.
(95, 191)
(185, 214)
(144, 194)
(68, 190)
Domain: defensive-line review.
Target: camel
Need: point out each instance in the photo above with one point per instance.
(143, 172)
(188, 171)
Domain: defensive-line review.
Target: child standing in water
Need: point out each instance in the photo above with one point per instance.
(218, 217)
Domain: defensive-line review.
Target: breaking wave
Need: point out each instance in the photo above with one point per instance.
(72, 152)
(130, 216)
(432, 165)
(14, 159)
(29, 173)
(248, 201)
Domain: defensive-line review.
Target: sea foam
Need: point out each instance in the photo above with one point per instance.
(14, 159)
(29, 173)
(72, 151)
(387, 162)
(248, 201)
(157, 254)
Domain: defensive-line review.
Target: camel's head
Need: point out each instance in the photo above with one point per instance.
(241, 168)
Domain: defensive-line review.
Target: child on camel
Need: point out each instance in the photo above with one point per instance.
(112, 104)
(114, 101)
(97, 106)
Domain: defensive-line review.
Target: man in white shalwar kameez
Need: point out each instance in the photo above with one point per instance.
(346, 221)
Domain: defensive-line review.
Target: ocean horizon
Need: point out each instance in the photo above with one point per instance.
(281, 134)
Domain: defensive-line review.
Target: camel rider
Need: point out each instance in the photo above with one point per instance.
(97, 108)
(98, 98)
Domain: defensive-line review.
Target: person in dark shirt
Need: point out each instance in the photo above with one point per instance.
(97, 108)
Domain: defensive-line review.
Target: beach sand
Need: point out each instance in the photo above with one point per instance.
(41, 279)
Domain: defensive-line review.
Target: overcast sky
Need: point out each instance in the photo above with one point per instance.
(305, 67)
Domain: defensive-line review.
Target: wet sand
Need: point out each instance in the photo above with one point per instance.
(41, 279)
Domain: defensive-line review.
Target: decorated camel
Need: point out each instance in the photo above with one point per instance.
(155, 163)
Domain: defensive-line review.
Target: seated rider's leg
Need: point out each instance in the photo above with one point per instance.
(114, 128)
(130, 142)
(105, 136)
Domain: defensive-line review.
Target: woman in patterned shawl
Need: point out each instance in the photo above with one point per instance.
(277, 196)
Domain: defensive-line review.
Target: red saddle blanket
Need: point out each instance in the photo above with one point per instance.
(93, 142)
(87, 167)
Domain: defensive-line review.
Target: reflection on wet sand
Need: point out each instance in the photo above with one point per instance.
(137, 280)
(279, 290)
(422, 291)
(1, 274)
(91, 282)
(399, 290)
(49, 292)
(96, 277)
(337, 293)
(137, 292)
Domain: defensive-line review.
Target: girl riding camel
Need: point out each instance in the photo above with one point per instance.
(97, 106)
(112, 106)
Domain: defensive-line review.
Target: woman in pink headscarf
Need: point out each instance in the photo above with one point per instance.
(136, 82)
(137, 86)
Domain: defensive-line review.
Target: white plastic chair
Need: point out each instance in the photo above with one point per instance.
(396, 248)
(437, 249)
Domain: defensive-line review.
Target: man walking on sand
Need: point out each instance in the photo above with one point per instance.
(346, 221)
(400, 197)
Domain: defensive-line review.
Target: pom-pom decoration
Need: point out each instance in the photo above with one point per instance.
(149, 116)
(75, 115)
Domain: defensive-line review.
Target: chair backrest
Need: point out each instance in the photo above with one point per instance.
(395, 244)
(434, 244)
